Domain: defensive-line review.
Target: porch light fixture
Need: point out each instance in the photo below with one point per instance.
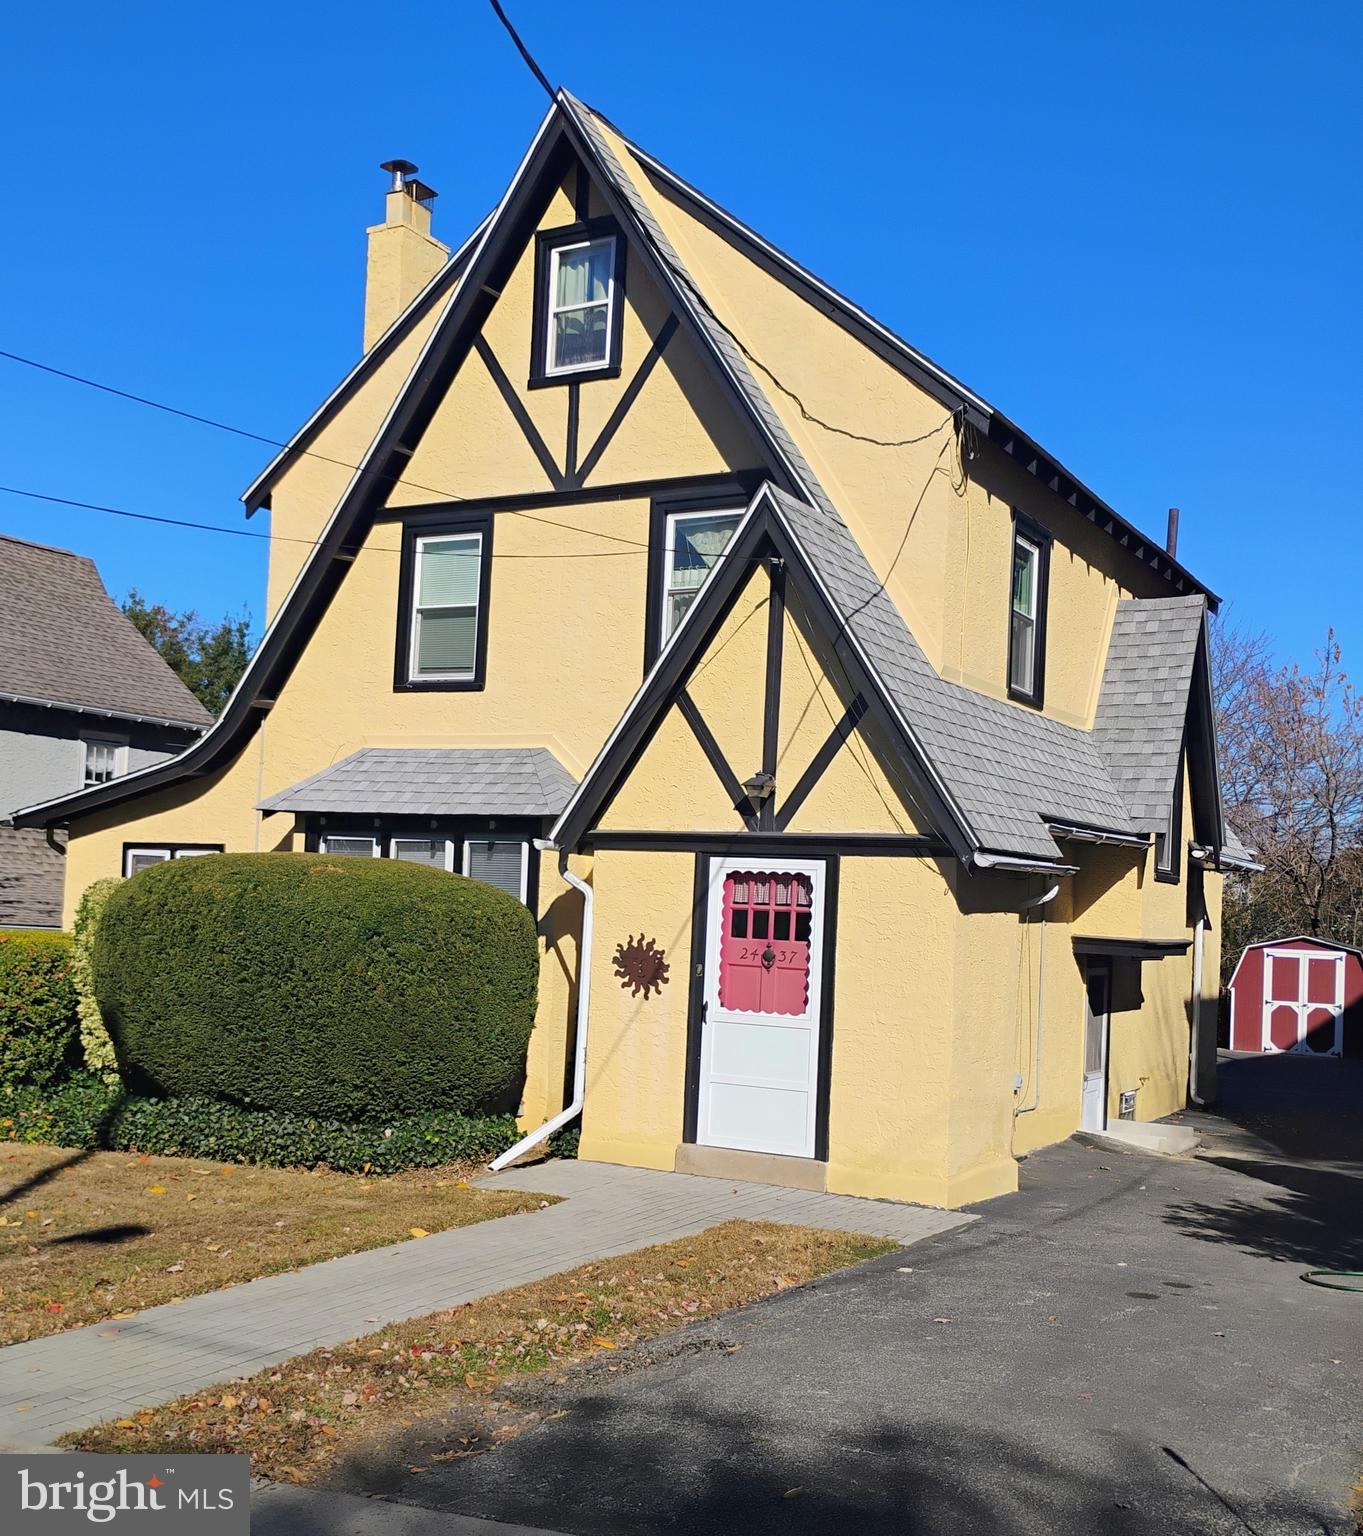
(760, 787)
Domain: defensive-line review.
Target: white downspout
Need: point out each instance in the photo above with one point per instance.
(1040, 903)
(1195, 1038)
(584, 989)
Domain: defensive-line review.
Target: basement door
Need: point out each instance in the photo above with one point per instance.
(759, 1048)
(1097, 1012)
(1303, 1002)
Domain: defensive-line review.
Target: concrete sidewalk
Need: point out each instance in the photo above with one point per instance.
(72, 1380)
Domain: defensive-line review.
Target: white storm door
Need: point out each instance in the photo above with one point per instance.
(1097, 1006)
(759, 1053)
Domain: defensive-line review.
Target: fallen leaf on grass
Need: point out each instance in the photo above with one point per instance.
(604, 1343)
(175, 1269)
(55, 1306)
(418, 1231)
(120, 1317)
(157, 1189)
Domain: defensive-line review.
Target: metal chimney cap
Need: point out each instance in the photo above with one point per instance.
(399, 170)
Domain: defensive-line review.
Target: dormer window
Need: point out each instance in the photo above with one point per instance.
(1027, 611)
(579, 283)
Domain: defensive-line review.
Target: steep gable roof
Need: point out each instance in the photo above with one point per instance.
(993, 776)
(63, 641)
(1143, 705)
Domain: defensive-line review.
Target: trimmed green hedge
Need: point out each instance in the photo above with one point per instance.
(96, 1045)
(333, 988)
(88, 1112)
(39, 1039)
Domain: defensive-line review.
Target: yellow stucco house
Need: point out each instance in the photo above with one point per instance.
(857, 760)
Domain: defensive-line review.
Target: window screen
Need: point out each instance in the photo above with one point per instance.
(362, 847)
(445, 614)
(497, 862)
(433, 851)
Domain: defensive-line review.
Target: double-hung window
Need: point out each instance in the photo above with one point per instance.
(442, 605)
(695, 541)
(1027, 611)
(579, 277)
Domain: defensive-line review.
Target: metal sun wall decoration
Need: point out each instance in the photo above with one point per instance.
(641, 965)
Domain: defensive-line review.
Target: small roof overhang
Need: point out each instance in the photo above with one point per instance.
(1131, 949)
(432, 781)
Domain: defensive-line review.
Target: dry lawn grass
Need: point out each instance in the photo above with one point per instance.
(90, 1236)
(298, 1419)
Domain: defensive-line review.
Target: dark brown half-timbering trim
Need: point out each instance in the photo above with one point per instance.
(782, 844)
(1041, 538)
(690, 712)
(771, 707)
(451, 522)
(820, 762)
(665, 334)
(516, 406)
(546, 241)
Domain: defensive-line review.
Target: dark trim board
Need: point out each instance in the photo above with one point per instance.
(695, 996)
(1131, 949)
(624, 404)
(771, 705)
(738, 488)
(820, 763)
(690, 712)
(827, 988)
(824, 845)
(453, 522)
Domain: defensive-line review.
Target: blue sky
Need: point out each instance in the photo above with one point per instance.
(1136, 230)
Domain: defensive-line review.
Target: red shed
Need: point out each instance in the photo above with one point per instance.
(1298, 994)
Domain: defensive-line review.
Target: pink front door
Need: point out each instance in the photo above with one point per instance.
(758, 1088)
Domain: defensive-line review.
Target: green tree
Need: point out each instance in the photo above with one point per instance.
(208, 658)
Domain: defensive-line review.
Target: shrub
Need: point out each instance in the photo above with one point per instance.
(95, 1043)
(88, 1112)
(38, 1023)
(337, 988)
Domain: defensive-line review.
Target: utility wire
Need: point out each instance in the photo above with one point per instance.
(525, 52)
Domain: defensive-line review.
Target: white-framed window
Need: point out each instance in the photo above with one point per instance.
(436, 852)
(104, 758)
(447, 582)
(500, 861)
(355, 847)
(1027, 596)
(136, 859)
(580, 305)
(694, 542)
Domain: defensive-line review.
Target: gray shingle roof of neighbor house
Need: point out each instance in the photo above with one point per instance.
(63, 641)
(433, 781)
(1143, 705)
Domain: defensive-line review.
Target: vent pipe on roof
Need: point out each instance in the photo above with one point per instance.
(403, 254)
(1171, 538)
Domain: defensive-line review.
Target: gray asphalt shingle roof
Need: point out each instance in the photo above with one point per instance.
(1143, 705)
(63, 641)
(1009, 770)
(433, 781)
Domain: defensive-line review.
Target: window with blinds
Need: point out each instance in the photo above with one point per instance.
(502, 862)
(448, 581)
(695, 541)
(432, 851)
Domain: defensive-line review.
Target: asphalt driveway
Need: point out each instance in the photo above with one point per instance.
(1126, 1346)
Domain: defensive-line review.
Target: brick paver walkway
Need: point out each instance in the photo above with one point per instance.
(75, 1379)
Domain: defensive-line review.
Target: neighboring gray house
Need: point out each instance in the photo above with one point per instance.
(83, 699)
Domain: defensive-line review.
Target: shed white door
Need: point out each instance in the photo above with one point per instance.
(759, 1054)
(1303, 1002)
(1097, 1007)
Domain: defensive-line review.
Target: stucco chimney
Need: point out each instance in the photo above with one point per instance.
(403, 254)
